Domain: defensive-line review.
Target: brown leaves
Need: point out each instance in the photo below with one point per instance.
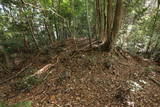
(53, 99)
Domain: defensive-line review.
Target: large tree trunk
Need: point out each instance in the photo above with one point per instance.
(108, 37)
(112, 32)
(98, 18)
(113, 25)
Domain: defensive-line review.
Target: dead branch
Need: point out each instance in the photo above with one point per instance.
(155, 81)
(14, 76)
(44, 69)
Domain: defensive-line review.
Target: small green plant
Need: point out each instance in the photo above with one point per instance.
(91, 59)
(149, 69)
(2, 104)
(63, 76)
(27, 83)
(20, 104)
(31, 70)
(111, 57)
(23, 104)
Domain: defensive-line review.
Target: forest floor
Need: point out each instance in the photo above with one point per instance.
(71, 75)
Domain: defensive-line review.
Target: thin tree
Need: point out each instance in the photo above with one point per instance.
(89, 27)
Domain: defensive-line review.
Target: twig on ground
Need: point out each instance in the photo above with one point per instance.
(155, 81)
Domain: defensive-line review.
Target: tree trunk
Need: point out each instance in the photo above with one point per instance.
(89, 28)
(30, 26)
(26, 43)
(113, 26)
(33, 34)
(47, 29)
(74, 19)
(98, 18)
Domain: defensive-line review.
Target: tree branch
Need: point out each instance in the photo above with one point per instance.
(43, 9)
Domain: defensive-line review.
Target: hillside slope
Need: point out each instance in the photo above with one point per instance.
(74, 76)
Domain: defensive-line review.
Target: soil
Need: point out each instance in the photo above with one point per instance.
(74, 75)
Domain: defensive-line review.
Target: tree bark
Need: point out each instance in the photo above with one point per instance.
(47, 29)
(112, 26)
(89, 28)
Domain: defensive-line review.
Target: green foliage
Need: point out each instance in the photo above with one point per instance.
(2, 104)
(23, 104)
(141, 32)
(6, 2)
(31, 70)
(46, 3)
(15, 19)
(91, 58)
(20, 104)
(27, 83)
(12, 45)
(150, 69)
(19, 21)
(66, 10)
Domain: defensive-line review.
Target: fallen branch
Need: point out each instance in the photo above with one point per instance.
(14, 76)
(155, 81)
(43, 70)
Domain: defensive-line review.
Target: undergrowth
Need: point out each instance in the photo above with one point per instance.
(27, 83)
(20, 104)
